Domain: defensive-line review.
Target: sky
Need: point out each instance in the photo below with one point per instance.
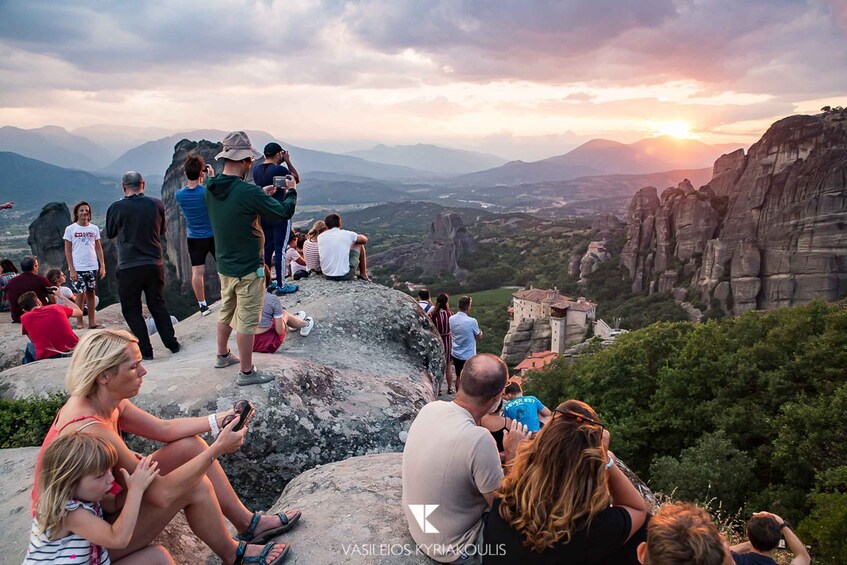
(523, 80)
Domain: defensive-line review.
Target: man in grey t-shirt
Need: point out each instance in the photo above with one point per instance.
(451, 466)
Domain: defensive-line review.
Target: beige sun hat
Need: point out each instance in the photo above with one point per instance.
(237, 147)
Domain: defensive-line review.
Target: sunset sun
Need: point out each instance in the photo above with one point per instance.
(679, 129)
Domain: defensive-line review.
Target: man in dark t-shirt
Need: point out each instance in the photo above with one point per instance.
(764, 530)
(138, 223)
(276, 232)
(28, 280)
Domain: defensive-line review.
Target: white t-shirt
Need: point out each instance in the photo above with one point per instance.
(334, 247)
(83, 250)
(291, 256)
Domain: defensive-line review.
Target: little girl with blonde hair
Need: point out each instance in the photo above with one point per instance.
(75, 486)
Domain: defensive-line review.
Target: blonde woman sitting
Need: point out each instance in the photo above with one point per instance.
(105, 372)
(565, 500)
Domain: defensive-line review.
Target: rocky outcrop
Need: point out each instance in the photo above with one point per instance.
(527, 336)
(176, 245)
(767, 231)
(604, 226)
(350, 388)
(448, 240)
(45, 236)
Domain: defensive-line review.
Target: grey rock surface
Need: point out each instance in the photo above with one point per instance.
(350, 388)
(45, 236)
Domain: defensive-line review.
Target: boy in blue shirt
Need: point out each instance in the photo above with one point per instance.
(527, 410)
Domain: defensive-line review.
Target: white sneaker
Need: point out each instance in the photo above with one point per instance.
(310, 323)
(300, 314)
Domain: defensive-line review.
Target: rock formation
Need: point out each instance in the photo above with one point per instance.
(351, 388)
(45, 236)
(604, 226)
(767, 231)
(448, 240)
(528, 336)
(176, 246)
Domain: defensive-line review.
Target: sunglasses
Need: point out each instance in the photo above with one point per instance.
(579, 418)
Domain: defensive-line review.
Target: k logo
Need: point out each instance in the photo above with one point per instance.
(421, 512)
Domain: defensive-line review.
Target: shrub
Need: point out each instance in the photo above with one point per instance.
(24, 422)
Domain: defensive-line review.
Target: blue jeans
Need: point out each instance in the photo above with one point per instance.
(276, 241)
(29, 353)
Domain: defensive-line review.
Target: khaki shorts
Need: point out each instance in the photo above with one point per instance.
(241, 302)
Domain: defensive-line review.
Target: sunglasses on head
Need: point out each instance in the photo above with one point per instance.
(580, 418)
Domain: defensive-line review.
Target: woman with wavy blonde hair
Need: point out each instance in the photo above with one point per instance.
(105, 373)
(565, 500)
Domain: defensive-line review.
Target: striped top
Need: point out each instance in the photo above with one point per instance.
(312, 255)
(69, 550)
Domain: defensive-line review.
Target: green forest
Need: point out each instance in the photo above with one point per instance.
(747, 412)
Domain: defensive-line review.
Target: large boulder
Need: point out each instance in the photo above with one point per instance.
(351, 388)
(46, 233)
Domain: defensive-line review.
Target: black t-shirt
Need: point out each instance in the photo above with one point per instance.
(264, 173)
(603, 542)
(752, 559)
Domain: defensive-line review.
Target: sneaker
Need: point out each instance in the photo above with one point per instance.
(205, 310)
(307, 329)
(222, 361)
(273, 287)
(175, 348)
(254, 377)
(287, 289)
(300, 314)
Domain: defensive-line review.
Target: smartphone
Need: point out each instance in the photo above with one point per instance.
(242, 418)
(279, 182)
(50, 289)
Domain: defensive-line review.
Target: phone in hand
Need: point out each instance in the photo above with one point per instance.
(51, 289)
(242, 417)
(279, 182)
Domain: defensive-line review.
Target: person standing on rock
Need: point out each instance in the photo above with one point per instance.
(201, 239)
(276, 232)
(138, 223)
(440, 315)
(234, 208)
(342, 252)
(84, 255)
(465, 332)
(451, 463)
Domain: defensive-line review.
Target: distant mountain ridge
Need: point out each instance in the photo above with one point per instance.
(605, 157)
(31, 184)
(55, 145)
(154, 157)
(438, 160)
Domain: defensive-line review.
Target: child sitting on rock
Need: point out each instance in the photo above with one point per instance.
(527, 410)
(276, 320)
(76, 486)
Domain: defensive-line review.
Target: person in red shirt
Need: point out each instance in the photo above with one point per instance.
(48, 326)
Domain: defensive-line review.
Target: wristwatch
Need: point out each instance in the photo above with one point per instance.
(785, 524)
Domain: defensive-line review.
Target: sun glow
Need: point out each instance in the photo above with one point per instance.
(679, 129)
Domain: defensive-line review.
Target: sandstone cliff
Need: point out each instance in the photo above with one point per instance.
(448, 240)
(767, 231)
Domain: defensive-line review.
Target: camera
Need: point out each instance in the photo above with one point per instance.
(279, 182)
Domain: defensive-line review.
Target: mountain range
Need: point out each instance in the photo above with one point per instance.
(604, 157)
(55, 145)
(438, 160)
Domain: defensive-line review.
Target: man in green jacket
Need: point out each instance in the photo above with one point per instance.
(234, 207)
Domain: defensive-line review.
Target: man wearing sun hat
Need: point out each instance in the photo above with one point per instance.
(234, 208)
